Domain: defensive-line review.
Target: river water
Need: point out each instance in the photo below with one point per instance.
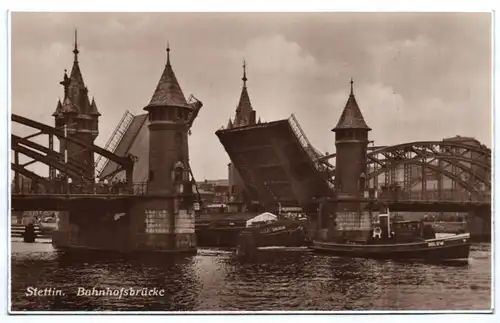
(215, 280)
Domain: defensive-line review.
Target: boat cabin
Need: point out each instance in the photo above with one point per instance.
(401, 231)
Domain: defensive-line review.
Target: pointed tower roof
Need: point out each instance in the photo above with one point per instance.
(76, 74)
(351, 117)
(244, 104)
(59, 108)
(93, 109)
(76, 98)
(168, 92)
(259, 122)
(229, 124)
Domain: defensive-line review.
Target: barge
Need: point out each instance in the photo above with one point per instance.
(269, 230)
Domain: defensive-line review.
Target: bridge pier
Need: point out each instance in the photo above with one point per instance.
(159, 224)
(479, 225)
(82, 229)
(164, 224)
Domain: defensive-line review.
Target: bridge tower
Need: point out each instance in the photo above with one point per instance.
(170, 211)
(351, 142)
(245, 116)
(77, 115)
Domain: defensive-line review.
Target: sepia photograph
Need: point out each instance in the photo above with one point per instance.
(265, 162)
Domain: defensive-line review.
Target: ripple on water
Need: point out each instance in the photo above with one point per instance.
(215, 279)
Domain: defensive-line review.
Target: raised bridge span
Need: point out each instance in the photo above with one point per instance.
(279, 166)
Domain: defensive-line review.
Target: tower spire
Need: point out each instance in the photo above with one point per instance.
(244, 78)
(75, 50)
(168, 92)
(351, 117)
(168, 53)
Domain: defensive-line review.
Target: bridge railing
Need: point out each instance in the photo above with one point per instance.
(393, 195)
(432, 195)
(59, 188)
(306, 145)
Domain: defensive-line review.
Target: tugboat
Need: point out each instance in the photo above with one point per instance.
(400, 240)
(269, 230)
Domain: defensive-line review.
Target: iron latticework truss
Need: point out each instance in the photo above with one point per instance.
(54, 159)
(442, 170)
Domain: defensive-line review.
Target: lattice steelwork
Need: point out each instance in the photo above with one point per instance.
(73, 169)
(114, 140)
(434, 170)
(448, 170)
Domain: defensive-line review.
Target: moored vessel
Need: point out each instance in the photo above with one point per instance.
(399, 240)
(267, 230)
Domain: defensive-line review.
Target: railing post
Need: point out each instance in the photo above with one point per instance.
(66, 179)
(129, 174)
(52, 170)
(424, 181)
(16, 174)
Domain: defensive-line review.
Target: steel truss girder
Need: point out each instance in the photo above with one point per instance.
(33, 135)
(47, 151)
(453, 153)
(126, 162)
(71, 170)
(422, 154)
(389, 166)
(434, 144)
(432, 153)
(448, 159)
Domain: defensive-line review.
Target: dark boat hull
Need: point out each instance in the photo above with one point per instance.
(455, 247)
(285, 235)
(280, 234)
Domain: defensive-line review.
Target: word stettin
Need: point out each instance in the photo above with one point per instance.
(120, 292)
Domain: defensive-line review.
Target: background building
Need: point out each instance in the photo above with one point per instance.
(214, 191)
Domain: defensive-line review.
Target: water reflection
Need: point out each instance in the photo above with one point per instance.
(275, 280)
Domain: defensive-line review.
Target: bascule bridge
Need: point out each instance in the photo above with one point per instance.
(116, 213)
(280, 167)
(274, 163)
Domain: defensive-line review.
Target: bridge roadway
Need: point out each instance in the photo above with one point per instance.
(415, 205)
(122, 202)
(112, 202)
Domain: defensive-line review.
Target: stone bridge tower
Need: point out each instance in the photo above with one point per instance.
(167, 213)
(168, 115)
(79, 116)
(351, 141)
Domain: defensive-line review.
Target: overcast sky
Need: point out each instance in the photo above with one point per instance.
(416, 76)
